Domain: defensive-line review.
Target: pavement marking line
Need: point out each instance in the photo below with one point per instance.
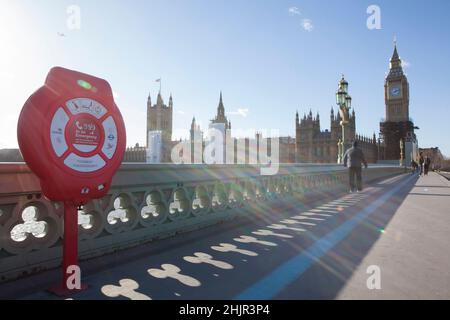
(315, 214)
(248, 239)
(227, 247)
(278, 279)
(263, 232)
(284, 227)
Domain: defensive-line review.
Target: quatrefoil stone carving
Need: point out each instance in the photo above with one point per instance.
(30, 225)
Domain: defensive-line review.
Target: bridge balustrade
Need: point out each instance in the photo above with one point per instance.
(148, 202)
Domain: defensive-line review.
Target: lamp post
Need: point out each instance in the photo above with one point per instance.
(344, 102)
(402, 153)
(415, 155)
(339, 145)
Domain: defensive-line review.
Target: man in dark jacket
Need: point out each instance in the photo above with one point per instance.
(353, 159)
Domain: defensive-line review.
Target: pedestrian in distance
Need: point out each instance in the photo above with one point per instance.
(427, 164)
(413, 166)
(421, 162)
(353, 160)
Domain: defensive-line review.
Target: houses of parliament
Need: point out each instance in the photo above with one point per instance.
(316, 146)
(311, 144)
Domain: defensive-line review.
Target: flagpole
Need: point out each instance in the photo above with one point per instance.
(159, 80)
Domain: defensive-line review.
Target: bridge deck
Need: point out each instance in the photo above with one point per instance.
(319, 250)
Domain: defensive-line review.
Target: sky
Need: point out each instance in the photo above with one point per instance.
(270, 58)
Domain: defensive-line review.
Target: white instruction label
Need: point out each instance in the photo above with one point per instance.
(57, 129)
(85, 105)
(84, 164)
(110, 131)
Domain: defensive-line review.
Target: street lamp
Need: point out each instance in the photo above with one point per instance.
(340, 97)
(348, 102)
(344, 101)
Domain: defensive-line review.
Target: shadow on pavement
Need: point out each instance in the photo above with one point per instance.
(330, 274)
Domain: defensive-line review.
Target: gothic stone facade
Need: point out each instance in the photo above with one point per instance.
(316, 146)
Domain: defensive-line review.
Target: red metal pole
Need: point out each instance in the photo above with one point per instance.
(70, 241)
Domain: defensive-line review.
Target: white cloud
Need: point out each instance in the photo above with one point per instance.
(116, 95)
(240, 112)
(405, 64)
(307, 25)
(180, 112)
(294, 11)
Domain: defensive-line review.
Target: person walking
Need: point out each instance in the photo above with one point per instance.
(421, 162)
(413, 166)
(353, 159)
(427, 163)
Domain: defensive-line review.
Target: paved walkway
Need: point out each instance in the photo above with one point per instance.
(414, 252)
(317, 251)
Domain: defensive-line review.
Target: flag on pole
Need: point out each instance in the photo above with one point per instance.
(159, 80)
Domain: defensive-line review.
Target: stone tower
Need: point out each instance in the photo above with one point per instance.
(397, 125)
(222, 125)
(221, 118)
(159, 118)
(396, 91)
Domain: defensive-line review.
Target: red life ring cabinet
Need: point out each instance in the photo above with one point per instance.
(72, 136)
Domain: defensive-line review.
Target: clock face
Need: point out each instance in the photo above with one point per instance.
(395, 91)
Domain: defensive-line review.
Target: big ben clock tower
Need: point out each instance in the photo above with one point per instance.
(397, 126)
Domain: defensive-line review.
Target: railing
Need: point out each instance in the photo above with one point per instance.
(147, 202)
